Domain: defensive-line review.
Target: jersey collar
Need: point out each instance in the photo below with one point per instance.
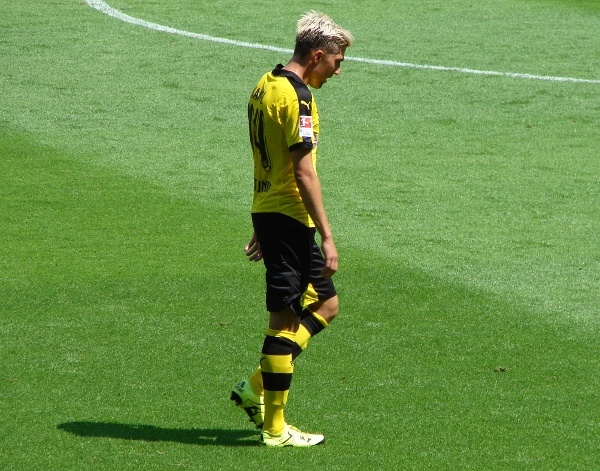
(279, 71)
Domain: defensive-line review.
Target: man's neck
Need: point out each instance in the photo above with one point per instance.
(301, 68)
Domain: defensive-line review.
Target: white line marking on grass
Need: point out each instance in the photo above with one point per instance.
(474, 71)
(108, 10)
(104, 8)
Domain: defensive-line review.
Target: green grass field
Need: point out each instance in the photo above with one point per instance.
(466, 209)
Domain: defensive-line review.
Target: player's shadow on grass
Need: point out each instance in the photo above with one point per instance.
(150, 433)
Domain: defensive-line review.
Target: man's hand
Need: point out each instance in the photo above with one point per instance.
(252, 250)
(331, 258)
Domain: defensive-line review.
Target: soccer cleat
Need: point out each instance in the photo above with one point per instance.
(253, 404)
(291, 436)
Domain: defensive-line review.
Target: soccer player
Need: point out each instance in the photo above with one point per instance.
(287, 211)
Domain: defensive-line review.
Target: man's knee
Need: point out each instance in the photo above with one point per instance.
(327, 309)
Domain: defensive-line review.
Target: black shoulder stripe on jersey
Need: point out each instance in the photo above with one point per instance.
(304, 97)
(302, 91)
(305, 100)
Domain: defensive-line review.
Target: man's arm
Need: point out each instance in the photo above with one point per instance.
(310, 191)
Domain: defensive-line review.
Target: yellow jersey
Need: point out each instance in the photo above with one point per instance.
(282, 117)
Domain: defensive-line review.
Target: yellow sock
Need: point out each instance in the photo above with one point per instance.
(276, 369)
(302, 337)
(310, 326)
(256, 381)
(274, 417)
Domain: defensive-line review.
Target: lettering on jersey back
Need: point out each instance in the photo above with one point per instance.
(261, 186)
(258, 94)
(258, 138)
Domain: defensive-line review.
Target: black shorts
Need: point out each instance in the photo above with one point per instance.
(293, 261)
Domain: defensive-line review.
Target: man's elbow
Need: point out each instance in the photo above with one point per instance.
(304, 178)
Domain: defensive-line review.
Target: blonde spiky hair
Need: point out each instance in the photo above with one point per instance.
(317, 31)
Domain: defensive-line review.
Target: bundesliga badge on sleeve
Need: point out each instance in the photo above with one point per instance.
(306, 127)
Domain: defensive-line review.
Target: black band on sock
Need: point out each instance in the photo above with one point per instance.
(276, 381)
(297, 350)
(311, 323)
(277, 346)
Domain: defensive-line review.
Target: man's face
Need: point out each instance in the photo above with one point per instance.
(327, 65)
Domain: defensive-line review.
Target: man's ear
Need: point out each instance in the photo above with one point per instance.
(319, 53)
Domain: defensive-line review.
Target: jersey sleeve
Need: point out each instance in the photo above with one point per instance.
(315, 115)
(300, 124)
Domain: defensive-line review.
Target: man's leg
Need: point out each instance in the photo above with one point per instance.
(319, 315)
(287, 246)
(277, 367)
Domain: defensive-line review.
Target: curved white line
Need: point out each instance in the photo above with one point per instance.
(108, 10)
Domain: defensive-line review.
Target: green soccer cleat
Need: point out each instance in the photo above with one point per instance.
(253, 404)
(291, 436)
